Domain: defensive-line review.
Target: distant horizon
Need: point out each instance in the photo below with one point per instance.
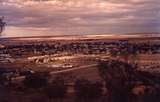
(76, 36)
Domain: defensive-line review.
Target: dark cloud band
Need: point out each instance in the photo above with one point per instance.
(86, 16)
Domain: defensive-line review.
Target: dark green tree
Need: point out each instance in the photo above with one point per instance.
(56, 90)
(118, 77)
(87, 91)
(36, 80)
(2, 24)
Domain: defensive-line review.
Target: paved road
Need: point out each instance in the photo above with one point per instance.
(73, 69)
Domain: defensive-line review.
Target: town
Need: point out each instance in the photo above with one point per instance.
(83, 47)
(73, 60)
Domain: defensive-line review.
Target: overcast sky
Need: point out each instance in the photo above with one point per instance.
(57, 17)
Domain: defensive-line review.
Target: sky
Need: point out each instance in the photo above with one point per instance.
(79, 17)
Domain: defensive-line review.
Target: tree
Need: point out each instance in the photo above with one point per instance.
(128, 53)
(3, 80)
(56, 90)
(118, 77)
(114, 52)
(36, 81)
(87, 91)
(2, 24)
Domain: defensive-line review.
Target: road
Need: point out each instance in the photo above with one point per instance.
(62, 71)
(73, 69)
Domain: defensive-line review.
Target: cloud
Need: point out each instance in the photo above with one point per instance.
(80, 16)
